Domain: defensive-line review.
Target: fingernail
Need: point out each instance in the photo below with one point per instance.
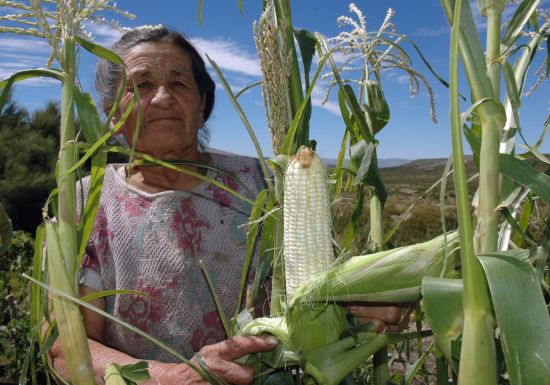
(270, 340)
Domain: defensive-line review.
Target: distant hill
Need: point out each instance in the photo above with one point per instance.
(382, 163)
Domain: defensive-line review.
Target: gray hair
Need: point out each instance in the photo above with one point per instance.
(108, 74)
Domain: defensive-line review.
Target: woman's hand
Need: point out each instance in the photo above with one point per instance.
(383, 317)
(220, 361)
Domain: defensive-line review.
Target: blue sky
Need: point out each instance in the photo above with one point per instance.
(226, 36)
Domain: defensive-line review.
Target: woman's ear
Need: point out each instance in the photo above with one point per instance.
(116, 116)
(201, 114)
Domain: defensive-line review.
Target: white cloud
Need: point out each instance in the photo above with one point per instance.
(398, 77)
(103, 34)
(331, 107)
(25, 45)
(432, 32)
(229, 56)
(17, 54)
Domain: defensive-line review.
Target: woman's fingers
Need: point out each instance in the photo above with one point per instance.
(239, 346)
(383, 317)
(238, 374)
(219, 357)
(386, 314)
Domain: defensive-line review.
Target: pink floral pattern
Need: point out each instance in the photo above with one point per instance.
(222, 196)
(134, 206)
(142, 311)
(211, 332)
(102, 235)
(188, 227)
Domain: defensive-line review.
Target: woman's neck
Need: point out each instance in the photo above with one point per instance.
(154, 179)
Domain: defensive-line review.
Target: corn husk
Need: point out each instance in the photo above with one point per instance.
(388, 276)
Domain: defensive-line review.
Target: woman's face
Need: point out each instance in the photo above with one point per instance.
(170, 102)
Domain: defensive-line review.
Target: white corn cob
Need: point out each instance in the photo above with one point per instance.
(307, 220)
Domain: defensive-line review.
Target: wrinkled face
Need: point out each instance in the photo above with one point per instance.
(170, 102)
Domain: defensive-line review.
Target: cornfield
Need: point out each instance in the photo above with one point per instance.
(478, 292)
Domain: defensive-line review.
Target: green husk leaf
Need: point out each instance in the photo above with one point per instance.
(113, 376)
(442, 304)
(136, 372)
(521, 313)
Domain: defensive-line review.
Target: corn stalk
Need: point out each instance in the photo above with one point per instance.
(65, 236)
(478, 358)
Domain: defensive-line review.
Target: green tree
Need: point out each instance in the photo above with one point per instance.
(27, 161)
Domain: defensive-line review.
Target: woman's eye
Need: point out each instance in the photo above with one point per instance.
(179, 83)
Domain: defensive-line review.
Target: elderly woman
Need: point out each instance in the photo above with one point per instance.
(153, 224)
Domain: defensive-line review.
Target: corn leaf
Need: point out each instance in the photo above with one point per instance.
(267, 250)
(353, 225)
(289, 144)
(516, 169)
(5, 85)
(361, 154)
(93, 130)
(363, 157)
(200, 13)
(524, 219)
(518, 21)
(251, 240)
(219, 308)
(521, 314)
(88, 116)
(244, 119)
(306, 41)
(68, 298)
(107, 293)
(99, 51)
(413, 370)
(68, 317)
(248, 87)
(527, 176)
(148, 159)
(542, 260)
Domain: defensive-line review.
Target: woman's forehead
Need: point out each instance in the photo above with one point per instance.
(152, 56)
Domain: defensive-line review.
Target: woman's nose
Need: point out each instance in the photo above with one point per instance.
(162, 97)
